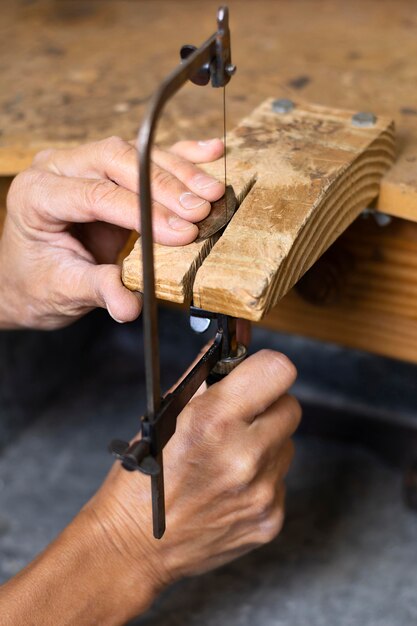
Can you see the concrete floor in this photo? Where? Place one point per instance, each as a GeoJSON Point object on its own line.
{"type": "Point", "coordinates": [348, 553]}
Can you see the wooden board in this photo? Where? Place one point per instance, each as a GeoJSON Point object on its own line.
{"type": "Point", "coordinates": [78, 70]}
{"type": "Point", "coordinates": [314, 171]}
{"type": "Point", "coordinates": [362, 293]}
{"type": "Point", "coordinates": [176, 267]}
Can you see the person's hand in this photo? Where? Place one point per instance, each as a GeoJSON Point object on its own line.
{"type": "Point", "coordinates": [224, 472]}
{"type": "Point", "coordinates": [70, 215]}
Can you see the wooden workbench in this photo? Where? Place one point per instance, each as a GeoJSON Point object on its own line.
{"type": "Point", "coordinates": [74, 71]}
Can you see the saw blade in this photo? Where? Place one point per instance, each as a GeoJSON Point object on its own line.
{"type": "Point", "coordinates": [222, 210]}
{"type": "Point", "coordinates": [225, 153]}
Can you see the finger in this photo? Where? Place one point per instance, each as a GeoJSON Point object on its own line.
{"type": "Point", "coordinates": [167, 189]}
{"type": "Point", "coordinates": [277, 424]}
{"type": "Point", "coordinates": [92, 286]}
{"type": "Point", "coordinates": [116, 160]}
{"type": "Point", "coordinates": [265, 527]}
{"type": "Point", "coordinates": [111, 158]}
{"type": "Point", "coordinates": [199, 151]}
{"type": "Point", "coordinates": [272, 525]}
{"type": "Point", "coordinates": [170, 229]}
{"type": "Point", "coordinates": [250, 388]}
{"type": "Point", "coordinates": [261, 493]}
{"type": "Point", "coordinates": [288, 453]}
{"type": "Point", "coordinates": [122, 304]}
{"type": "Point", "coordinates": [195, 179]}
{"type": "Point", "coordinates": [57, 200]}
{"type": "Point", "coordinates": [280, 463]}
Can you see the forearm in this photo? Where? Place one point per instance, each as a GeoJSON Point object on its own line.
{"type": "Point", "coordinates": [77, 581]}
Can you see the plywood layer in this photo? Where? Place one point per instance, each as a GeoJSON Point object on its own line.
{"type": "Point", "coordinates": [362, 293]}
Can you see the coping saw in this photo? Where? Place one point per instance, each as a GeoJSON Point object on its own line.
{"type": "Point", "coordinates": [209, 63]}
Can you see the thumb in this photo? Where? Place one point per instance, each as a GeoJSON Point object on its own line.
{"type": "Point", "coordinates": [110, 293]}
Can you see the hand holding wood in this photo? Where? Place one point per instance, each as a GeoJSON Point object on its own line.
{"type": "Point", "coordinates": [70, 214]}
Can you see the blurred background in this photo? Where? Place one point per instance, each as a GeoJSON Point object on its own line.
{"type": "Point", "coordinates": [75, 71]}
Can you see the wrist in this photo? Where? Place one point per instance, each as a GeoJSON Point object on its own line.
{"type": "Point", "coordinates": [119, 577]}
{"type": "Point", "coordinates": [79, 579]}
{"type": "Point", "coordinates": [121, 509]}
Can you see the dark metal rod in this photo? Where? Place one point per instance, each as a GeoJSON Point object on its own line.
{"type": "Point", "coordinates": [158, 500]}
{"type": "Point", "coordinates": [144, 142]}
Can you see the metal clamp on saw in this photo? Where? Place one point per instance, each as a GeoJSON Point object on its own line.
{"type": "Point", "coordinates": [209, 63]}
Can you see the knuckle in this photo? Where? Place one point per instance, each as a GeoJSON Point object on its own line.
{"type": "Point", "coordinates": [243, 469]}
{"type": "Point", "coordinates": [114, 148]}
{"type": "Point", "coordinates": [23, 180]}
{"type": "Point", "coordinates": [272, 526]}
{"type": "Point", "coordinates": [295, 410]}
{"type": "Point", "coordinates": [291, 409]}
{"type": "Point", "coordinates": [97, 192]}
{"type": "Point", "coordinates": [162, 179]}
{"type": "Point", "coordinates": [43, 156]}
{"type": "Point", "coordinates": [189, 171]}
{"type": "Point", "coordinates": [24, 186]}
{"type": "Point", "coordinates": [185, 169]}
{"type": "Point", "coordinates": [263, 500]}
{"type": "Point", "coordinates": [113, 144]}
{"type": "Point", "coordinates": [233, 401]}
{"type": "Point", "coordinates": [16, 189]}
{"type": "Point", "coordinates": [205, 425]}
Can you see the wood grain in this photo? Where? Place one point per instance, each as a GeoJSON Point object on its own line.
{"type": "Point", "coordinates": [78, 70]}
{"type": "Point", "coordinates": [176, 267]}
{"type": "Point", "coordinates": [314, 173]}
{"type": "Point", "coordinates": [368, 286]}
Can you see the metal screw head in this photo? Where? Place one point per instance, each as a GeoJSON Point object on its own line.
{"type": "Point", "coordinates": [364, 119]}
{"type": "Point", "coordinates": [283, 105]}
{"type": "Point", "coordinates": [382, 219]}
{"type": "Point", "coordinates": [199, 324]}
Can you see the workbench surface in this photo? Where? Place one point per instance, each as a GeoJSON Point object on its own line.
{"type": "Point", "coordinates": [74, 71]}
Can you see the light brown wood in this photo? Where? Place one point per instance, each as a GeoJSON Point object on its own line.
{"type": "Point", "coordinates": [78, 70]}
{"type": "Point", "coordinates": [176, 267]}
{"type": "Point", "coordinates": [368, 286]}
{"type": "Point", "coordinates": [314, 173]}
